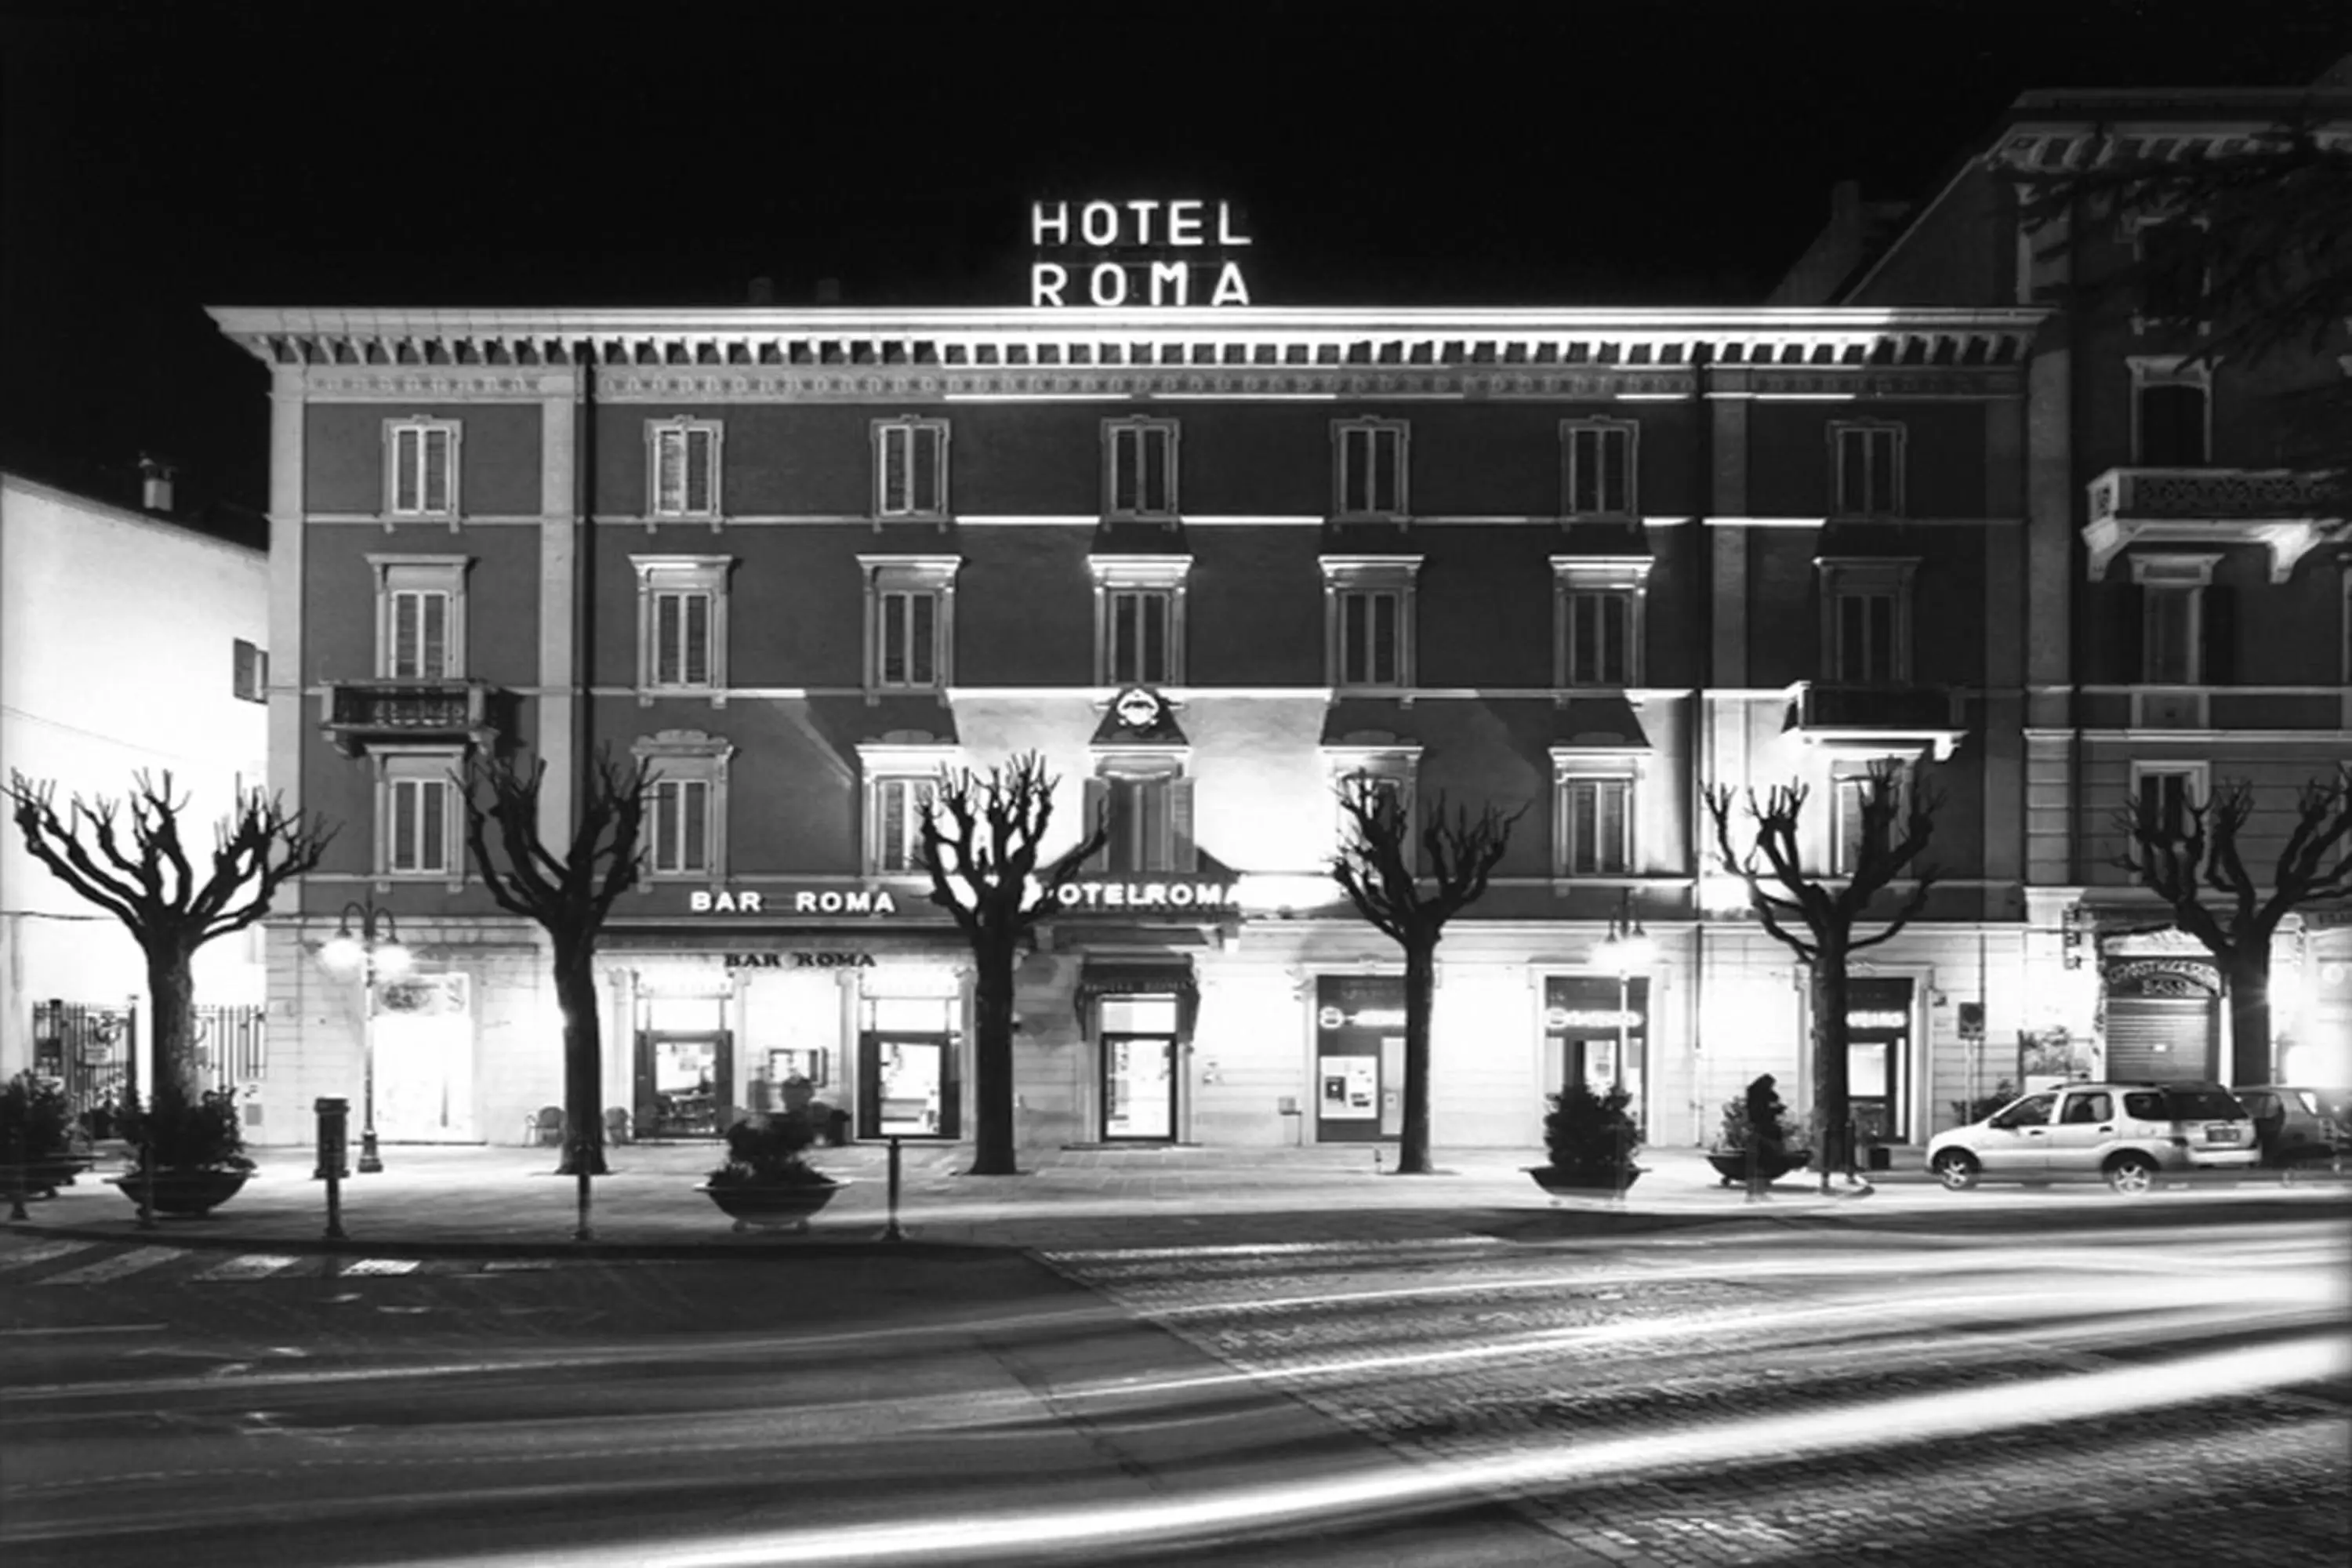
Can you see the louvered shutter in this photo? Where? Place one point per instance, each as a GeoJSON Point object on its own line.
{"type": "Point", "coordinates": [2129, 632]}
{"type": "Point", "coordinates": [2219, 613]}
{"type": "Point", "coordinates": [1098, 810]}
{"type": "Point", "coordinates": [1182, 853]}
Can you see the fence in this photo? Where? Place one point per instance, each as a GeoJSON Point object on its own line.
{"type": "Point", "coordinates": [93, 1048]}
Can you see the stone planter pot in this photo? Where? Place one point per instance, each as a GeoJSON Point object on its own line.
{"type": "Point", "coordinates": [1732, 1165]}
{"type": "Point", "coordinates": [193, 1194]}
{"type": "Point", "coordinates": [1560, 1182]}
{"type": "Point", "coordinates": [43, 1175]}
{"type": "Point", "coordinates": [772, 1208]}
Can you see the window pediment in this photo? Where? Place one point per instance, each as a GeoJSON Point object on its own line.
{"type": "Point", "coordinates": [1370, 571]}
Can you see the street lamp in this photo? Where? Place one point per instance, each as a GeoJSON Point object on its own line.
{"type": "Point", "coordinates": [374, 952]}
{"type": "Point", "coordinates": [1626, 949]}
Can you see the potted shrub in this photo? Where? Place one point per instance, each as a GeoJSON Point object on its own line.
{"type": "Point", "coordinates": [38, 1136]}
{"type": "Point", "coordinates": [186, 1157]}
{"type": "Point", "coordinates": [1589, 1142]}
{"type": "Point", "coordinates": [1756, 1137]}
{"type": "Point", "coordinates": [767, 1179]}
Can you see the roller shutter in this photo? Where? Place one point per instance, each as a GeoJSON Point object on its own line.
{"type": "Point", "coordinates": [2164, 1039]}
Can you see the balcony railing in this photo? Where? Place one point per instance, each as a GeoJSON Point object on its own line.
{"type": "Point", "coordinates": [2285, 509]}
{"type": "Point", "coordinates": [364, 713]}
{"type": "Point", "coordinates": [1827, 710]}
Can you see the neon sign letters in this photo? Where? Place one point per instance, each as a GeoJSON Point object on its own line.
{"type": "Point", "coordinates": [1137, 248]}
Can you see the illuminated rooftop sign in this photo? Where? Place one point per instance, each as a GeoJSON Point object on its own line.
{"type": "Point", "coordinates": [1135, 253]}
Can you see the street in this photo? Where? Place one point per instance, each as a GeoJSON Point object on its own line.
{"type": "Point", "coordinates": [2077, 1382]}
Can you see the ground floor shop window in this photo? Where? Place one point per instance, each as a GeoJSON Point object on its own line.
{"type": "Point", "coordinates": [911, 1077]}
{"type": "Point", "coordinates": [1878, 1051]}
{"type": "Point", "coordinates": [1138, 1066]}
{"type": "Point", "coordinates": [684, 1068]}
{"type": "Point", "coordinates": [1597, 1029]}
{"type": "Point", "coordinates": [1359, 1087]}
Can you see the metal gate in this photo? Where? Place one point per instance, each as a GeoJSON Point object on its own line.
{"type": "Point", "coordinates": [2161, 1040]}
{"type": "Point", "coordinates": [232, 1044]}
{"type": "Point", "coordinates": [89, 1047]}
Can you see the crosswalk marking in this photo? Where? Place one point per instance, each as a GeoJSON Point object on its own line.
{"type": "Point", "coordinates": [41, 1252]}
{"type": "Point", "coordinates": [114, 1267]}
{"type": "Point", "coordinates": [380, 1266]}
{"type": "Point", "coordinates": [249, 1266]}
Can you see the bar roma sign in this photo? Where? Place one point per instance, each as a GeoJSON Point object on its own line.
{"type": "Point", "coordinates": [1153, 253]}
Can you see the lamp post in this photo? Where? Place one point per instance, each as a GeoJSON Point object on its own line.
{"type": "Point", "coordinates": [372, 952]}
{"type": "Point", "coordinates": [1625, 949]}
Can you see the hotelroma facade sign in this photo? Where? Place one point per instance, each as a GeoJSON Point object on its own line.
{"type": "Point", "coordinates": [1135, 253]}
{"type": "Point", "coordinates": [1140, 895]}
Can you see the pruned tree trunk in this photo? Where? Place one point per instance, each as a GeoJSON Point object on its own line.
{"type": "Point", "coordinates": [171, 1028]}
{"type": "Point", "coordinates": [1420, 995]}
{"type": "Point", "coordinates": [583, 1058]}
{"type": "Point", "coordinates": [994, 1143]}
{"type": "Point", "coordinates": [1833, 1100]}
{"type": "Point", "coordinates": [2247, 973]}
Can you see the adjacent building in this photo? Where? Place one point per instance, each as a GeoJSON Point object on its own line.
{"type": "Point", "coordinates": [1213, 564]}
{"type": "Point", "coordinates": [2188, 594]}
{"type": "Point", "coordinates": [129, 643]}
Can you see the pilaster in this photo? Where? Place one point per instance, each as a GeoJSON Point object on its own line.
{"type": "Point", "coordinates": [559, 544]}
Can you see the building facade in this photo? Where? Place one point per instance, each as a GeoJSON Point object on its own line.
{"type": "Point", "coordinates": [1211, 563]}
{"type": "Point", "coordinates": [128, 644]}
{"type": "Point", "coordinates": [2192, 620]}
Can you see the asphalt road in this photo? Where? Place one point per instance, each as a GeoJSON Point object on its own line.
{"type": "Point", "coordinates": [2085, 1384]}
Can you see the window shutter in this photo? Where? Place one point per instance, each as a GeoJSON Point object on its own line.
{"type": "Point", "coordinates": [2220, 614]}
{"type": "Point", "coordinates": [695, 854]}
{"type": "Point", "coordinates": [1184, 855]}
{"type": "Point", "coordinates": [2128, 635]}
{"type": "Point", "coordinates": [890, 830]}
{"type": "Point", "coordinates": [436, 470]}
{"type": "Point", "coordinates": [698, 639]}
{"type": "Point", "coordinates": [1098, 809]}
{"type": "Point", "coordinates": [923, 663]}
{"type": "Point", "coordinates": [701, 469]}
{"type": "Point", "coordinates": [930, 489]}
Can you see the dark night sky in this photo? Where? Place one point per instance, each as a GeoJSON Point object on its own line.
{"type": "Point", "coordinates": [160, 157]}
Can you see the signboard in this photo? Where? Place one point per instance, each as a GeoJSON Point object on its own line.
{"type": "Point", "coordinates": [815, 960]}
{"type": "Point", "coordinates": [1155, 893]}
{"type": "Point", "coordinates": [866, 900]}
{"type": "Point", "coordinates": [1157, 253]}
{"type": "Point", "coordinates": [423, 995]}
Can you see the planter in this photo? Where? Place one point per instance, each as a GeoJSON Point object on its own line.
{"type": "Point", "coordinates": [193, 1192]}
{"type": "Point", "coordinates": [1732, 1165]}
{"type": "Point", "coordinates": [775, 1207]}
{"type": "Point", "coordinates": [43, 1175]}
{"type": "Point", "coordinates": [1554, 1181]}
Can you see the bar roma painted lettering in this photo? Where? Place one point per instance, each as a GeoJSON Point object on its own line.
{"type": "Point", "coordinates": [831, 902]}
{"type": "Point", "coordinates": [1114, 233]}
{"type": "Point", "coordinates": [800, 960]}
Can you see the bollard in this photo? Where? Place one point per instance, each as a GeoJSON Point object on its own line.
{"type": "Point", "coordinates": [890, 1232]}
{"type": "Point", "coordinates": [335, 1155]}
{"type": "Point", "coordinates": [16, 1189]}
{"type": "Point", "coordinates": [582, 1159]}
{"type": "Point", "coordinates": [147, 1174]}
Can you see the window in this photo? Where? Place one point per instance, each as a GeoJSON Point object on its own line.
{"type": "Point", "coordinates": [420, 616]}
{"type": "Point", "coordinates": [2171, 413]}
{"type": "Point", "coordinates": [248, 672]}
{"type": "Point", "coordinates": [1866, 620]}
{"type": "Point", "coordinates": [1140, 467]}
{"type": "Point", "coordinates": [1148, 807]}
{"type": "Point", "coordinates": [421, 467]}
{"type": "Point", "coordinates": [1866, 478]}
{"type": "Point", "coordinates": [2088, 1105]}
{"type": "Point", "coordinates": [909, 615]}
{"type": "Point", "coordinates": [2167, 792]}
{"type": "Point", "coordinates": [1139, 619]}
{"type": "Point", "coordinates": [1371, 477]}
{"type": "Point", "coordinates": [1597, 609]}
{"type": "Point", "coordinates": [1597, 820]}
{"type": "Point", "coordinates": [1369, 609]}
{"type": "Point", "coordinates": [1853, 833]}
{"type": "Point", "coordinates": [1388, 772]}
{"type": "Point", "coordinates": [897, 806]}
{"type": "Point", "coordinates": [2174, 281]}
{"type": "Point", "coordinates": [2033, 1110]}
{"type": "Point", "coordinates": [1597, 460]}
{"type": "Point", "coordinates": [685, 817]}
{"type": "Point", "coordinates": [682, 457]}
{"type": "Point", "coordinates": [2172, 627]}
{"type": "Point", "coordinates": [682, 623]}
{"type": "Point", "coordinates": [910, 467]}
{"type": "Point", "coordinates": [417, 830]}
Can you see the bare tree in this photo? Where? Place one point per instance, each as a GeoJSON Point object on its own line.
{"type": "Point", "coordinates": [2180, 855]}
{"type": "Point", "coordinates": [569, 896]}
{"type": "Point", "coordinates": [153, 888]}
{"type": "Point", "coordinates": [980, 837]}
{"type": "Point", "coordinates": [1827, 911]}
{"type": "Point", "coordinates": [1375, 867]}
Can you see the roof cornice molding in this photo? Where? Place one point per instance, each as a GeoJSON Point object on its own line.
{"type": "Point", "coordinates": [1085, 342]}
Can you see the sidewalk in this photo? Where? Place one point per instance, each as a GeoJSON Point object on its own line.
{"type": "Point", "coordinates": [507, 1202]}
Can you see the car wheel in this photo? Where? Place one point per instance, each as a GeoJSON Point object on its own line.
{"type": "Point", "coordinates": [1957, 1169]}
{"type": "Point", "coordinates": [2133, 1174]}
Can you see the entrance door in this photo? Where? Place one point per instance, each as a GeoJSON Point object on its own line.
{"type": "Point", "coordinates": [1358, 1086]}
{"type": "Point", "coordinates": [908, 1085]}
{"type": "Point", "coordinates": [1139, 1087]}
{"type": "Point", "coordinates": [683, 1083]}
{"type": "Point", "coordinates": [423, 1078]}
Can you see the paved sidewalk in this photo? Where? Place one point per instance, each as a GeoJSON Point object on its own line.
{"type": "Point", "coordinates": [434, 1200]}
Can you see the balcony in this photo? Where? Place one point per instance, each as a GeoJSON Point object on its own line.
{"type": "Point", "coordinates": [1896, 718]}
{"type": "Point", "coordinates": [2286, 512]}
{"type": "Point", "coordinates": [362, 715]}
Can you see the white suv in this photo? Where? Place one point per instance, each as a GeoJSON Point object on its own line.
{"type": "Point", "coordinates": [2129, 1133]}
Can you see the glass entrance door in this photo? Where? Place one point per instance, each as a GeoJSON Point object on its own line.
{"type": "Point", "coordinates": [909, 1085]}
{"type": "Point", "coordinates": [684, 1083]}
{"type": "Point", "coordinates": [1139, 1087]}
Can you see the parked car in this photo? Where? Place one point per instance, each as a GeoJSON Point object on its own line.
{"type": "Point", "coordinates": [2296, 1125]}
{"type": "Point", "coordinates": [2129, 1134]}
